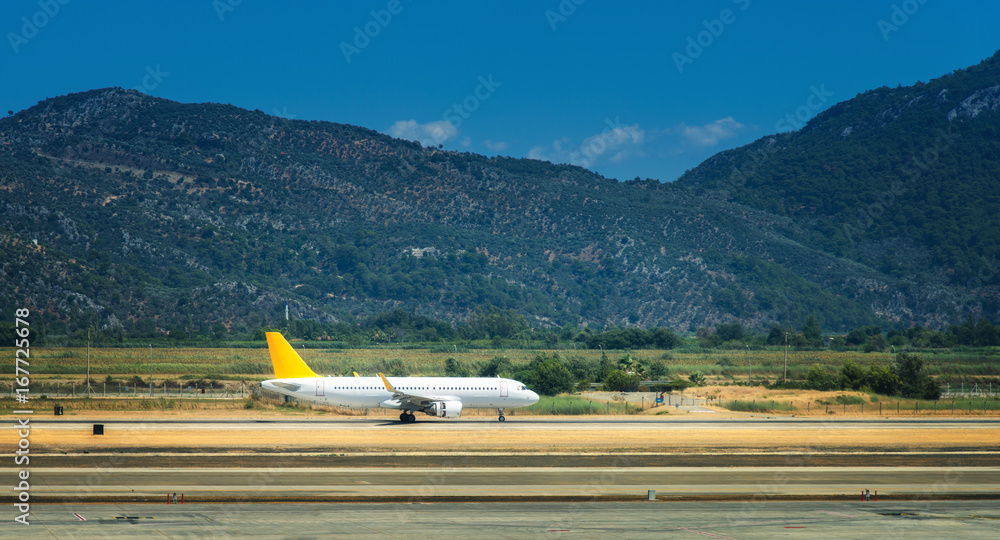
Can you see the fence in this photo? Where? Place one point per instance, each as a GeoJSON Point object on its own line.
{"type": "Point", "coordinates": [943, 407]}
{"type": "Point", "coordinates": [123, 390]}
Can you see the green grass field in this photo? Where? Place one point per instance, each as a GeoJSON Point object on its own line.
{"type": "Point", "coordinates": [253, 364]}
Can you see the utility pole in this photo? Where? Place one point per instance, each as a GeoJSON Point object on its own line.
{"type": "Point", "coordinates": [749, 370]}
{"type": "Point", "coordinates": [784, 375]}
{"type": "Point", "coordinates": [88, 362]}
{"type": "Point", "coordinates": [150, 370]}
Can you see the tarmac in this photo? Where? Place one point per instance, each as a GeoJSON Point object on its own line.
{"type": "Point", "coordinates": [757, 519]}
{"type": "Point", "coordinates": [425, 483]}
{"type": "Point", "coordinates": [88, 491]}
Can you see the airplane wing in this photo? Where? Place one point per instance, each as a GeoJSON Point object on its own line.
{"type": "Point", "coordinates": [415, 401]}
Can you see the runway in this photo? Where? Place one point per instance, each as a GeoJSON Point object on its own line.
{"type": "Point", "coordinates": [522, 423]}
{"type": "Point", "coordinates": [519, 434]}
{"type": "Point", "coordinates": [420, 483]}
{"type": "Point", "coordinates": [683, 520]}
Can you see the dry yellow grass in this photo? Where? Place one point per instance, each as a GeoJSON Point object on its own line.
{"type": "Point", "coordinates": [494, 438]}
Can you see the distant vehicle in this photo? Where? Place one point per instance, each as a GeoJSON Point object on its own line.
{"type": "Point", "coordinates": [444, 397]}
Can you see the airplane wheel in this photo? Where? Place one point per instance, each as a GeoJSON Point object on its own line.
{"type": "Point", "coordinates": [502, 418]}
{"type": "Point", "coordinates": [411, 418]}
{"type": "Point", "coordinates": [403, 417]}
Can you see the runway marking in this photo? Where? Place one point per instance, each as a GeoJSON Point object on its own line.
{"type": "Point", "coordinates": [706, 534]}
{"type": "Point", "coordinates": [81, 518]}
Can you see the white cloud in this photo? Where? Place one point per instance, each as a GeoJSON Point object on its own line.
{"type": "Point", "coordinates": [616, 143]}
{"type": "Point", "coordinates": [711, 133]}
{"type": "Point", "coordinates": [496, 146]}
{"type": "Point", "coordinates": [429, 134]}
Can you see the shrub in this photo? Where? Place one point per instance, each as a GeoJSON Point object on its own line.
{"type": "Point", "coordinates": [820, 379]}
{"type": "Point", "coordinates": [619, 381]}
{"type": "Point", "coordinates": [455, 368]}
{"type": "Point", "coordinates": [551, 377]}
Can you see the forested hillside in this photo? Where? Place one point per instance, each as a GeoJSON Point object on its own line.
{"type": "Point", "coordinates": [125, 211]}
{"type": "Point", "coordinates": [904, 180]}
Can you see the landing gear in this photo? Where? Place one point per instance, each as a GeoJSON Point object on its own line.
{"type": "Point", "coordinates": [502, 418]}
{"type": "Point", "coordinates": [406, 417]}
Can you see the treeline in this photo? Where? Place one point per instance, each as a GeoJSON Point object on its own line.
{"type": "Point", "coordinates": [551, 374]}
{"type": "Point", "coordinates": [507, 328]}
{"type": "Point", "coordinates": [904, 377]}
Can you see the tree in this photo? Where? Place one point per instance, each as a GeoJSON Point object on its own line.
{"type": "Point", "coordinates": [454, 368]}
{"type": "Point", "coordinates": [852, 376]}
{"type": "Point", "coordinates": [730, 332]}
{"type": "Point", "coordinates": [875, 343]}
{"type": "Point", "coordinates": [658, 370]}
{"type": "Point", "coordinates": [664, 338]}
{"type": "Point", "coordinates": [496, 323]}
{"type": "Point", "coordinates": [930, 389]}
{"type": "Point", "coordinates": [582, 368]}
{"type": "Point", "coordinates": [626, 363]}
{"type": "Point", "coordinates": [496, 367]}
{"type": "Point", "coordinates": [619, 381]}
{"type": "Point", "coordinates": [697, 378]}
{"type": "Point", "coordinates": [883, 380]}
{"type": "Point", "coordinates": [859, 336]}
{"type": "Point", "coordinates": [812, 331]}
{"type": "Point", "coordinates": [776, 336]}
{"type": "Point", "coordinates": [219, 331]}
{"type": "Point", "coordinates": [909, 369]}
{"type": "Point", "coordinates": [604, 368]}
{"type": "Point", "coordinates": [819, 379]}
{"type": "Point", "coordinates": [552, 377]}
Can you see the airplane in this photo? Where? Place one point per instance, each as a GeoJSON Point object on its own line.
{"type": "Point", "coordinates": [443, 397]}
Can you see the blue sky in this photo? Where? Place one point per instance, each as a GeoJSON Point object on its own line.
{"type": "Point", "coordinates": [628, 89]}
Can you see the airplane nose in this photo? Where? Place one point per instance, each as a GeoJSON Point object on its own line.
{"type": "Point", "coordinates": [533, 397]}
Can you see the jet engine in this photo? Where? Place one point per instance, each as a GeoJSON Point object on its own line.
{"type": "Point", "coordinates": [445, 409]}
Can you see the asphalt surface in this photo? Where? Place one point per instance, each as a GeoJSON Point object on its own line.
{"type": "Point", "coordinates": [618, 478]}
{"type": "Point", "coordinates": [514, 422]}
{"type": "Point", "coordinates": [757, 519]}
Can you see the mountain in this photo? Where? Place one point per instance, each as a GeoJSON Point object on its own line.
{"type": "Point", "coordinates": [905, 181]}
{"type": "Point", "coordinates": [131, 212]}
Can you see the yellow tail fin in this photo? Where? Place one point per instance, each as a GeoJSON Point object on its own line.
{"type": "Point", "coordinates": [287, 363]}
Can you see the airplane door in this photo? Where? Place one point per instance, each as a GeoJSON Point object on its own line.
{"type": "Point", "coordinates": [319, 388]}
{"type": "Point", "coordinates": [503, 388]}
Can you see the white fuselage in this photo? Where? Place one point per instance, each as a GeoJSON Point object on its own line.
{"type": "Point", "coordinates": [370, 392]}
